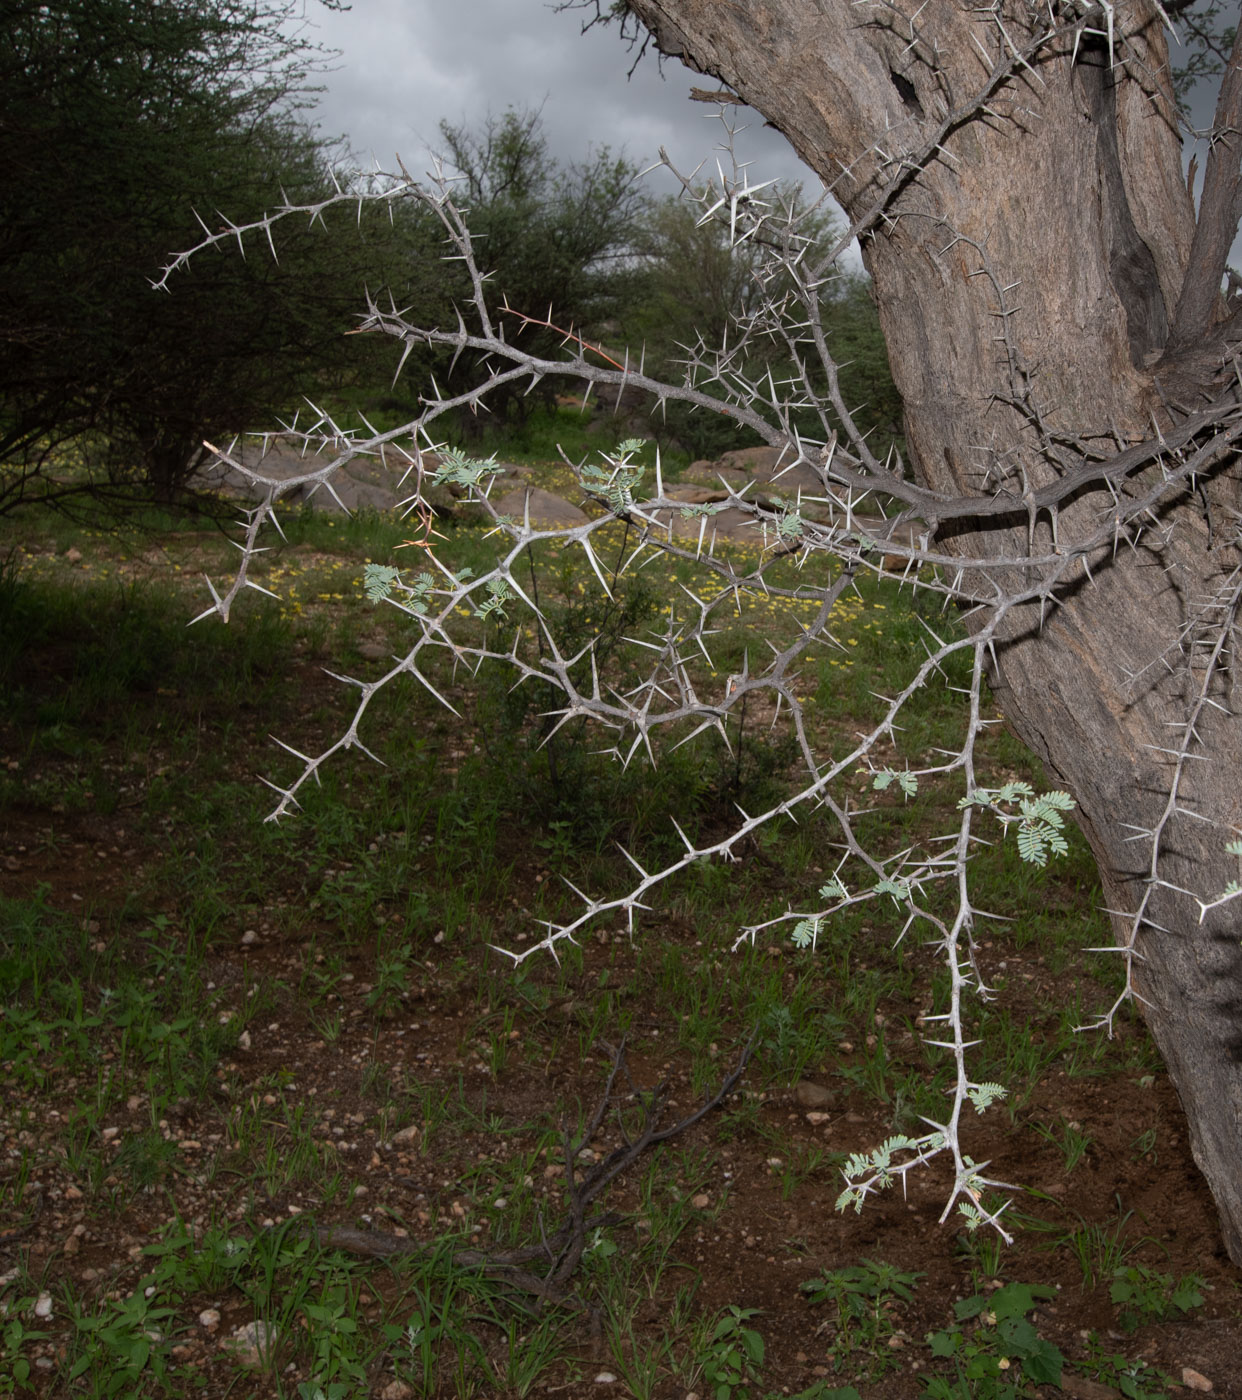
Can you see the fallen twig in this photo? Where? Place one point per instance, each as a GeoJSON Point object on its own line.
{"type": "Point", "coordinates": [561, 1250]}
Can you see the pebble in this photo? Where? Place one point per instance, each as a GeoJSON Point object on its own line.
{"type": "Point", "coordinates": [404, 1136]}
{"type": "Point", "coordinates": [810, 1095]}
{"type": "Point", "coordinates": [1195, 1380]}
{"type": "Point", "coordinates": [209, 1318]}
{"type": "Point", "coordinates": [701, 1201]}
{"type": "Point", "coordinates": [43, 1305]}
{"type": "Point", "coordinates": [605, 1378]}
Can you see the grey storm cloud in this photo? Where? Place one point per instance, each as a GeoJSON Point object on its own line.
{"type": "Point", "coordinates": [406, 65]}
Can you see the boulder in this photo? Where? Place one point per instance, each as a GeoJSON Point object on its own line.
{"type": "Point", "coordinates": [769, 464]}
{"type": "Point", "coordinates": [547, 511]}
{"type": "Point", "coordinates": [709, 474]}
{"type": "Point", "coordinates": [695, 495]}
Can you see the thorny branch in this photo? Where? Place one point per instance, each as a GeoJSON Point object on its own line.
{"type": "Point", "coordinates": [861, 515]}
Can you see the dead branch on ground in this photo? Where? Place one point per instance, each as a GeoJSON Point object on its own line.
{"type": "Point", "coordinates": [560, 1252]}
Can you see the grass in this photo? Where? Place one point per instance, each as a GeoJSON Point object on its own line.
{"type": "Point", "coordinates": [179, 1015]}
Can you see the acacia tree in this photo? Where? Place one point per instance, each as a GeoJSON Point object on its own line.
{"type": "Point", "coordinates": [1052, 305]}
{"type": "Point", "coordinates": [1053, 310]}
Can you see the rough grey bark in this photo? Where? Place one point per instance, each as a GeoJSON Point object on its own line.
{"type": "Point", "coordinates": [1019, 194]}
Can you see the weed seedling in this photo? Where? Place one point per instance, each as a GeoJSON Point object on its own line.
{"type": "Point", "coordinates": [865, 1296]}
{"type": "Point", "coordinates": [1072, 1141]}
{"type": "Point", "coordinates": [392, 973]}
{"type": "Point", "coordinates": [1143, 1295]}
{"type": "Point", "coordinates": [1136, 1380]}
{"type": "Point", "coordinates": [733, 1358]}
{"type": "Point", "coordinates": [1004, 1356]}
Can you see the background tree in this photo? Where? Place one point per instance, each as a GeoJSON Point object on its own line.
{"type": "Point", "coordinates": [694, 285]}
{"type": "Point", "coordinates": [118, 121]}
{"type": "Point", "coordinates": [549, 235]}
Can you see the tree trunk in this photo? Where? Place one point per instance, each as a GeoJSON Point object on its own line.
{"type": "Point", "coordinates": [1028, 266]}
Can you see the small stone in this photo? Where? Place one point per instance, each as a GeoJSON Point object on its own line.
{"type": "Point", "coordinates": [209, 1318]}
{"type": "Point", "coordinates": [72, 1245]}
{"type": "Point", "coordinates": [396, 1390]}
{"type": "Point", "coordinates": [1195, 1380]}
{"type": "Point", "coordinates": [701, 1201]}
{"type": "Point", "coordinates": [605, 1378]}
{"type": "Point", "coordinates": [73, 555]}
{"type": "Point", "coordinates": [249, 937]}
{"type": "Point", "coordinates": [404, 1136]}
{"type": "Point", "coordinates": [109, 1134]}
{"type": "Point", "coordinates": [252, 1344]}
{"type": "Point", "coordinates": [810, 1095]}
{"type": "Point", "coordinates": [43, 1305]}
{"type": "Point", "coordinates": [815, 1119]}
{"type": "Point", "coordinates": [243, 1041]}
{"type": "Point", "coordinates": [72, 1193]}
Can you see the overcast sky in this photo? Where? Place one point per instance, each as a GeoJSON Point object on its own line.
{"type": "Point", "coordinates": [405, 65]}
